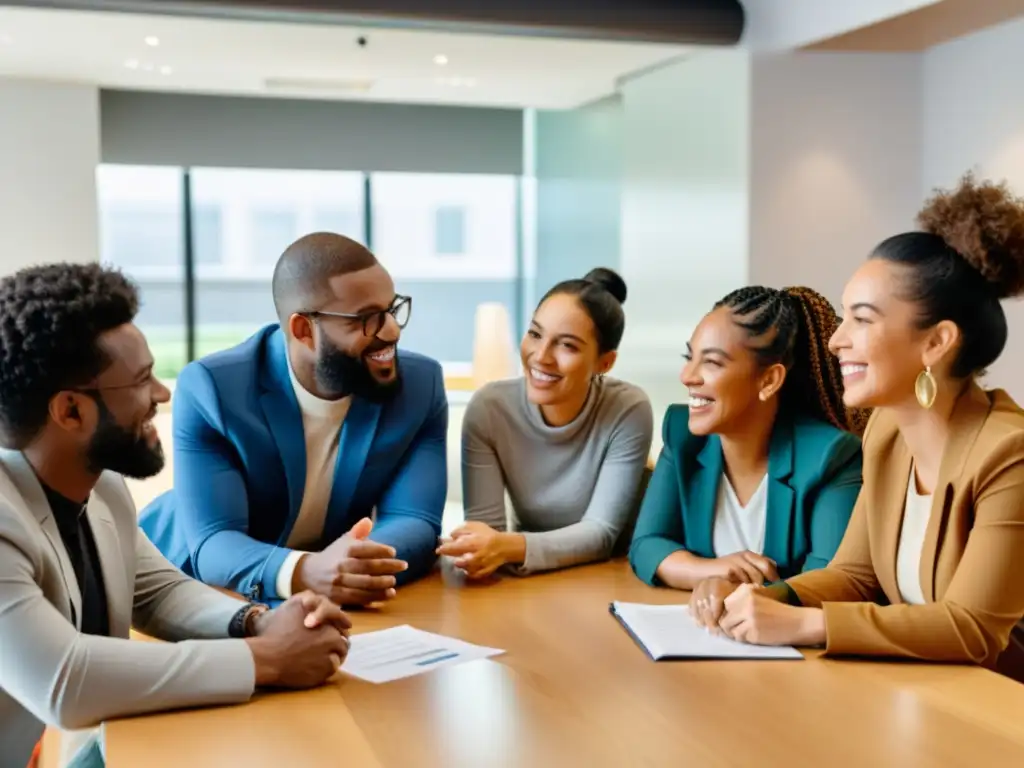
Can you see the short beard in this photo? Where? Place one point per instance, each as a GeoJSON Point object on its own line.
{"type": "Point", "coordinates": [116, 449]}
{"type": "Point", "coordinates": [340, 375]}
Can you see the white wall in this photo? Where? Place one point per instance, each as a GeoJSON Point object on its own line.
{"type": "Point", "coordinates": [974, 118]}
{"type": "Point", "coordinates": [846, 147]}
{"type": "Point", "coordinates": [835, 163]}
{"type": "Point", "coordinates": [49, 150]}
{"type": "Point", "coordinates": [684, 208]}
{"type": "Point", "coordinates": [578, 169]}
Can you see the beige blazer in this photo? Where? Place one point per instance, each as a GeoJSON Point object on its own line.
{"type": "Point", "coordinates": [50, 674]}
{"type": "Point", "coordinates": [972, 563]}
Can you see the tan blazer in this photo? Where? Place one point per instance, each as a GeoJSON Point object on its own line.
{"type": "Point", "coordinates": [972, 563]}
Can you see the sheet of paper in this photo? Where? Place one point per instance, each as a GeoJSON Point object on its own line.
{"type": "Point", "coordinates": [391, 654]}
{"type": "Point", "coordinates": [668, 631]}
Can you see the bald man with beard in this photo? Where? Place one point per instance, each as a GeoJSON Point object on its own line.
{"type": "Point", "coordinates": [312, 456]}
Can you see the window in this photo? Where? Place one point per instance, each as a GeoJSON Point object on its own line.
{"type": "Point", "coordinates": [251, 216]}
{"type": "Point", "coordinates": [344, 221]}
{"type": "Point", "coordinates": [207, 234]}
{"type": "Point", "coordinates": [141, 235]}
{"type": "Point", "coordinates": [270, 232]}
{"type": "Point", "coordinates": [141, 231]}
{"type": "Point", "coordinates": [450, 231]}
{"type": "Point", "coordinates": [450, 241]}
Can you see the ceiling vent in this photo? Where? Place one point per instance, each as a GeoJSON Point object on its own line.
{"type": "Point", "coordinates": [323, 87]}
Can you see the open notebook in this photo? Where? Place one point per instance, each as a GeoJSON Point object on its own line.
{"type": "Point", "coordinates": [667, 632]}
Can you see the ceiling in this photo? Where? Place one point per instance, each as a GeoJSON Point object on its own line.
{"type": "Point", "coordinates": [925, 27]}
{"type": "Point", "coordinates": [164, 53]}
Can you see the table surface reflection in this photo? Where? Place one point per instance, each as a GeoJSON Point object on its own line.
{"type": "Point", "coordinates": [573, 689]}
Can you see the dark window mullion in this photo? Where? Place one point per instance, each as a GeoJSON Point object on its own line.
{"type": "Point", "coordinates": [367, 211]}
{"type": "Point", "coordinates": [188, 242]}
{"type": "Point", "coordinates": [519, 304]}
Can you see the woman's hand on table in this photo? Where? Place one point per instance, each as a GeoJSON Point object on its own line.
{"type": "Point", "coordinates": [707, 602]}
{"type": "Point", "coordinates": [753, 617]}
{"type": "Point", "coordinates": [746, 568]}
{"type": "Point", "coordinates": [479, 550]}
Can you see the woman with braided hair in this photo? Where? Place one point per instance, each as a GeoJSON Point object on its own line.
{"type": "Point", "coordinates": [759, 473]}
{"type": "Point", "coordinates": [932, 564]}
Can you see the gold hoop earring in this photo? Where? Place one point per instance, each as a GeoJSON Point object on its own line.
{"type": "Point", "coordinates": [926, 388]}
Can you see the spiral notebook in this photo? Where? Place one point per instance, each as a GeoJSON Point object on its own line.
{"type": "Point", "coordinates": [667, 633]}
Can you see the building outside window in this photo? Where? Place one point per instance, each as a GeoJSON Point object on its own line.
{"type": "Point", "coordinates": [448, 240]}
{"type": "Point", "coordinates": [450, 231]}
{"type": "Point", "coordinates": [451, 242]}
{"type": "Point", "coordinates": [141, 231]}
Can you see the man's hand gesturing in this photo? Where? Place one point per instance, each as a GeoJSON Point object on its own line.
{"type": "Point", "coordinates": [351, 571]}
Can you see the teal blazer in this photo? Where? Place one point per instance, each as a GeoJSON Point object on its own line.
{"type": "Point", "coordinates": [814, 476]}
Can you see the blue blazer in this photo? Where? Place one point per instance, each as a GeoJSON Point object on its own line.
{"type": "Point", "coordinates": [240, 468]}
{"type": "Point", "coordinates": [814, 476]}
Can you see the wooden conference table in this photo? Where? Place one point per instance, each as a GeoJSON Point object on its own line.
{"type": "Point", "coordinates": [573, 689]}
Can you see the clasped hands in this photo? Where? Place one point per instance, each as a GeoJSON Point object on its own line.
{"type": "Point", "coordinates": [304, 641]}
{"type": "Point", "coordinates": [736, 605]}
{"type": "Point", "coordinates": [479, 550]}
{"type": "Point", "coordinates": [301, 643]}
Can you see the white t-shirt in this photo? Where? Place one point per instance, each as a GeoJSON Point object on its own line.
{"type": "Point", "coordinates": [916, 511]}
{"type": "Point", "coordinates": [321, 425]}
{"type": "Point", "coordinates": [739, 528]}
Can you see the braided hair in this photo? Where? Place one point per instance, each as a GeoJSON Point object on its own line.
{"type": "Point", "coordinates": [793, 326]}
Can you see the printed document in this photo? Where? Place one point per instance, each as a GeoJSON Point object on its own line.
{"type": "Point", "coordinates": [391, 654]}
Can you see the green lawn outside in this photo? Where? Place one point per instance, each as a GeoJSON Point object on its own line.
{"type": "Point", "coordinates": [168, 344]}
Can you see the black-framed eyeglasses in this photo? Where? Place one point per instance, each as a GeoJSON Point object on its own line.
{"type": "Point", "coordinates": [95, 389]}
{"type": "Point", "coordinates": [373, 322]}
{"type": "Point", "coordinates": [109, 387]}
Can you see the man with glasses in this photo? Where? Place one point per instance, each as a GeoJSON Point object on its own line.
{"type": "Point", "coordinates": [77, 401]}
{"type": "Point", "coordinates": [312, 455]}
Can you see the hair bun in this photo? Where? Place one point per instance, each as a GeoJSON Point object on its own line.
{"type": "Point", "coordinates": [610, 280]}
{"type": "Point", "coordinates": [984, 223]}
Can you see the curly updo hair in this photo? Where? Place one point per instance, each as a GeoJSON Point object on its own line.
{"type": "Point", "coordinates": [792, 327]}
{"type": "Point", "coordinates": [968, 257]}
{"type": "Point", "coordinates": [50, 319]}
{"type": "Point", "coordinates": [601, 293]}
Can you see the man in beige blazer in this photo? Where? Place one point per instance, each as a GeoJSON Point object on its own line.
{"type": "Point", "coordinates": [77, 398]}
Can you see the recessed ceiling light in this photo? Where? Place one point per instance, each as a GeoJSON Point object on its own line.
{"type": "Point", "coordinates": [440, 59]}
{"type": "Point", "coordinates": [152, 41]}
{"type": "Point", "coordinates": [165, 70]}
{"type": "Point", "coordinates": [132, 63]}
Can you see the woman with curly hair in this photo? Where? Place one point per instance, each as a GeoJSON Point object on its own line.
{"type": "Point", "coordinates": [932, 565]}
{"type": "Point", "coordinates": [759, 473]}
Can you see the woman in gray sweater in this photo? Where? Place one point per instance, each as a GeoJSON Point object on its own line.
{"type": "Point", "coordinates": [569, 445]}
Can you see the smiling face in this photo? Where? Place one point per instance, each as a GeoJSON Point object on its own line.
{"type": "Point", "coordinates": [365, 293]}
{"type": "Point", "coordinates": [725, 379]}
{"type": "Point", "coordinates": [125, 397]}
{"type": "Point", "coordinates": [880, 347]}
{"type": "Point", "coordinates": [560, 353]}
{"type": "Point", "coordinates": [354, 338]}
